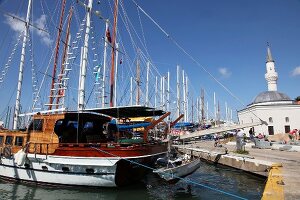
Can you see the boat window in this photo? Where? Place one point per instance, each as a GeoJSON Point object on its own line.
{"type": "Point", "coordinates": [1, 140]}
{"type": "Point", "coordinates": [36, 125]}
{"type": "Point", "coordinates": [19, 141]}
{"type": "Point", "coordinates": [65, 169]}
{"type": "Point", "coordinates": [9, 140]}
{"type": "Point", "coordinates": [58, 128]}
{"type": "Point", "coordinates": [90, 170]}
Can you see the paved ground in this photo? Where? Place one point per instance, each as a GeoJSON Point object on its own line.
{"type": "Point", "coordinates": [289, 160]}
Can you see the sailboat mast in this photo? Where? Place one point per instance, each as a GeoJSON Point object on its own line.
{"type": "Point", "coordinates": [104, 62]}
{"type": "Point", "coordinates": [112, 72]}
{"type": "Point", "coordinates": [202, 106]}
{"type": "Point", "coordinates": [187, 99]}
{"type": "Point", "coordinates": [131, 91]}
{"type": "Point", "coordinates": [178, 91]}
{"type": "Point", "coordinates": [168, 91]}
{"type": "Point", "coordinates": [21, 68]}
{"type": "Point", "coordinates": [156, 90]}
{"type": "Point", "coordinates": [138, 82]}
{"type": "Point", "coordinates": [52, 90]}
{"type": "Point", "coordinates": [184, 95]}
{"type": "Point", "coordinates": [147, 84]}
{"type": "Point", "coordinates": [62, 70]}
{"type": "Point", "coordinates": [81, 92]}
{"type": "Point", "coordinates": [116, 74]}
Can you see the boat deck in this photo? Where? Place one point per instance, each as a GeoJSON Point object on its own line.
{"type": "Point", "coordinates": [281, 167]}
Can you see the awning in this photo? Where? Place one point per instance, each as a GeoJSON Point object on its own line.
{"type": "Point", "coordinates": [127, 111]}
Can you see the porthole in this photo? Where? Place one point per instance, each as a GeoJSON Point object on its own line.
{"type": "Point", "coordinates": [65, 169]}
{"type": "Point", "coordinates": [89, 170]}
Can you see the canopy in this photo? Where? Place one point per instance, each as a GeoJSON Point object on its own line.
{"type": "Point", "coordinates": [128, 111]}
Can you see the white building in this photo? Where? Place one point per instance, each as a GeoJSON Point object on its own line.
{"type": "Point", "coordinates": [280, 113]}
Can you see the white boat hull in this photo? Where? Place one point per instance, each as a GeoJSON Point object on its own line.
{"type": "Point", "coordinates": [62, 170]}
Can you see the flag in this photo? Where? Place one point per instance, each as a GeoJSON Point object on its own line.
{"type": "Point", "coordinates": [108, 35]}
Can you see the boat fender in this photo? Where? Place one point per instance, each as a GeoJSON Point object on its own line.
{"type": "Point", "coordinates": [20, 157]}
{"type": "Point", "coordinates": [7, 152]}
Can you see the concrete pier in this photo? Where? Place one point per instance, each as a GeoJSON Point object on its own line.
{"type": "Point", "coordinates": [281, 167]}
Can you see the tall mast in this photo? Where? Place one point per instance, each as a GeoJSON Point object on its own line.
{"type": "Point", "coordinates": [161, 92]}
{"type": "Point", "coordinates": [178, 91]}
{"type": "Point", "coordinates": [215, 108]}
{"type": "Point", "coordinates": [138, 82]}
{"type": "Point", "coordinates": [104, 63]}
{"type": "Point", "coordinates": [66, 47]}
{"type": "Point", "coordinates": [147, 84]}
{"type": "Point", "coordinates": [52, 90]}
{"type": "Point", "coordinates": [155, 95]}
{"type": "Point", "coordinates": [184, 95]}
{"type": "Point", "coordinates": [116, 74]}
{"type": "Point", "coordinates": [202, 106]}
{"type": "Point", "coordinates": [21, 67]}
{"type": "Point", "coordinates": [81, 92]}
{"type": "Point", "coordinates": [168, 92]}
{"type": "Point", "coordinates": [112, 72]}
{"type": "Point", "coordinates": [187, 99]}
{"type": "Point", "coordinates": [131, 91]}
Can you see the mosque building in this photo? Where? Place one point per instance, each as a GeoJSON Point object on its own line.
{"type": "Point", "coordinates": [280, 113]}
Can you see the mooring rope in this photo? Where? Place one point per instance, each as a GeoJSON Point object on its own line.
{"type": "Point", "coordinates": [184, 179]}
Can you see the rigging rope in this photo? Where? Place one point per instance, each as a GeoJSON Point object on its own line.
{"type": "Point", "coordinates": [193, 59]}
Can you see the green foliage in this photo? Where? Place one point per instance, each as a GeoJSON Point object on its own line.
{"type": "Point", "coordinates": [297, 98]}
{"type": "Point", "coordinates": [242, 152]}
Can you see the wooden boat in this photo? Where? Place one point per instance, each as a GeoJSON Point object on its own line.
{"type": "Point", "coordinates": [172, 170]}
{"type": "Point", "coordinates": [79, 148]}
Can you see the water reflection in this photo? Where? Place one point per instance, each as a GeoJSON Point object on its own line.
{"type": "Point", "coordinates": [218, 177]}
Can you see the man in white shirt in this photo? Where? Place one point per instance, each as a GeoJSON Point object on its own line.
{"type": "Point", "coordinates": [240, 140]}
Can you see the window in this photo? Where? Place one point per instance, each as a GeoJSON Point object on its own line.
{"type": "Point", "coordinates": [1, 140]}
{"type": "Point", "coordinates": [270, 119]}
{"type": "Point", "coordinates": [9, 140]}
{"type": "Point", "coordinates": [287, 119]}
{"type": "Point", "coordinates": [287, 128]}
{"type": "Point", "coordinates": [271, 130]}
{"type": "Point", "coordinates": [36, 125]}
{"type": "Point", "coordinates": [19, 141]}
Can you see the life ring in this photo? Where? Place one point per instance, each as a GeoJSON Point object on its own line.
{"type": "Point", "coordinates": [7, 152]}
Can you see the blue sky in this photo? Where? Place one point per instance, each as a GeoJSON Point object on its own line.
{"type": "Point", "coordinates": [228, 38]}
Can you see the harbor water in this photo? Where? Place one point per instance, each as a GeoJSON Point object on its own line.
{"type": "Point", "coordinates": [208, 182]}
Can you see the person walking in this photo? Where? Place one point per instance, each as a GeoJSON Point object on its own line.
{"type": "Point", "coordinates": [240, 140]}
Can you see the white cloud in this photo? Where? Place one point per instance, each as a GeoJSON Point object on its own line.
{"type": "Point", "coordinates": [224, 72]}
{"type": "Point", "coordinates": [41, 23]}
{"type": "Point", "coordinates": [18, 26]}
{"type": "Point", "coordinates": [296, 71]}
{"type": "Point", "coordinates": [14, 24]}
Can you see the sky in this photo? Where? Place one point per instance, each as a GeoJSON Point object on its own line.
{"type": "Point", "coordinates": [221, 45]}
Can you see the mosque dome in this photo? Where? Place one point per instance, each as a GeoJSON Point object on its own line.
{"type": "Point", "coordinates": [270, 96]}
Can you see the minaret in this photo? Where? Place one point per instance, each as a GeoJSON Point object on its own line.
{"type": "Point", "coordinates": [271, 75]}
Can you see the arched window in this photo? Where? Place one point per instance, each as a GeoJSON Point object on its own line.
{"type": "Point", "coordinates": [287, 119]}
{"type": "Point", "coordinates": [270, 119]}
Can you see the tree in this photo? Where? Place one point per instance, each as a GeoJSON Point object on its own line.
{"type": "Point", "coordinates": [297, 98]}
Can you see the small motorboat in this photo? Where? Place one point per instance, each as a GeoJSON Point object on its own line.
{"type": "Point", "coordinates": [172, 169]}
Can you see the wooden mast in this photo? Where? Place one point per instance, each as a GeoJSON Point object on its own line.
{"type": "Point", "coordinates": [56, 54]}
{"type": "Point", "coordinates": [61, 91]}
{"type": "Point", "coordinates": [112, 72]}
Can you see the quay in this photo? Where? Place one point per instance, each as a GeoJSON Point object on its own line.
{"type": "Point", "coordinates": [281, 167]}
